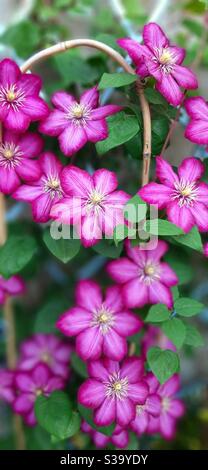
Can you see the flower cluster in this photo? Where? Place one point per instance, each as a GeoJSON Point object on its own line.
{"type": "Point", "coordinates": [43, 367]}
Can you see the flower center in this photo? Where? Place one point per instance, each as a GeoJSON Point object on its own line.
{"type": "Point", "coordinates": [149, 273]}
{"type": "Point", "coordinates": [53, 186]}
{"type": "Point", "coordinates": [103, 318]}
{"type": "Point", "coordinates": [165, 404]}
{"type": "Point", "coordinates": [10, 155]}
{"type": "Point", "coordinates": [164, 58]}
{"type": "Point", "coordinates": [45, 357]}
{"type": "Point", "coordinates": [11, 97]}
{"type": "Point", "coordinates": [79, 114]}
{"type": "Point", "coordinates": [116, 386]}
{"type": "Point", "coordinates": [95, 200]}
{"type": "Point", "coordinates": [185, 193]}
{"type": "Point", "coordinates": [38, 392]}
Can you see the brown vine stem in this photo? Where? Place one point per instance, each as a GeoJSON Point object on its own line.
{"type": "Point", "coordinates": [114, 55]}
{"type": "Point", "coordinates": [8, 313]}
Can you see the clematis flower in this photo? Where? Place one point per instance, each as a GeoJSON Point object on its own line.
{"type": "Point", "coordinates": [48, 349]}
{"type": "Point", "coordinates": [157, 58]}
{"type": "Point", "coordinates": [7, 386]}
{"type": "Point", "coordinates": [113, 390]}
{"type": "Point", "coordinates": [144, 278]}
{"type": "Point", "coordinates": [119, 437]}
{"type": "Point", "coordinates": [171, 409]}
{"type": "Point", "coordinates": [91, 203]}
{"type": "Point", "coordinates": [99, 324]}
{"type": "Point", "coordinates": [30, 385]}
{"type": "Point", "coordinates": [155, 337]}
{"type": "Point", "coordinates": [19, 100]}
{"type": "Point", "coordinates": [183, 196]}
{"type": "Point", "coordinates": [151, 407]}
{"type": "Point", "coordinates": [9, 287]}
{"type": "Point", "coordinates": [76, 123]}
{"type": "Point", "coordinates": [197, 128]}
{"type": "Point", "coordinates": [45, 192]}
{"type": "Point", "coordinates": [17, 162]}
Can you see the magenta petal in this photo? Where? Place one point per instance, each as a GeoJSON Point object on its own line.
{"type": "Point", "coordinates": [167, 275]}
{"type": "Point", "coordinates": [90, 97]}
{"type": "Point", "coordinates": [159, 293]}
{"type": "Point", "coordinates": [91, 393]}
{"type": "Point", "coordinates": [136, 254]}
{"type": "Point", "coordinates": [178, 53]}
{"type": "Point", "coordinates": [100, 440]}
{"type": "Point", "coordinates": [170, 387]}
{"type": "Point", "coordinates": [142, 70]}
{"type": "Point", "coordinates": [133, 368]}
{"type": "Point", "coordinates": [91, 229]}
{"type": "Point", "coordinates": [89, 344]}
{"type": "Point", "coordinates": [96, 130]}
{"type": "Point", "coordinates": [134, 49]}
{"type": "Point", "coordinates": [140, 423]}
{"type": "Point", "coordinates": [106, 413]}
{"type": "Point", "coordinates": [202, 192]}
{"type": "Point", "coordinates": [197, 131]}
{"type": "Point", "coordinates": [30, 144]}
{"type": "Point", "coordinates": [176, 408]}
{"type": "Point", "coordinates": [200, 214]}
{"type": "Point", "coordinates": [74, 321]}
{"type": "Point", "coordinates": [135, 293]}
{"type": "Point", "coordinates": [2, 297]}
{"type": "Point", "coordinates": [154, 36]}
{"type": "Point", "coordinates": [120, 439]}
{"type": "Point", "coordinates": [41, 375]}
{"type": "Point", "coordinates": [29, 170]}
{"type": "Point", "coordinates": [169, 88]}
{"type": "Point", "coordinates": [167, 426]}
{"type": "Point", "coordinates": [165, 173]}
{"type": "Point", "coordinates": [30, 419]}
{"type": "Point", "coordinates": [181, 216]}
{"type": "Point", "coordinates": [27, 193]}
{"type": "Point", "coordinates": [125, 412]}
{"type": "Point", "coordinates": [122, 270]}
{"type": "Point", "coordinates": [98, 370]}
{"type": "Point", "coordinates": [9, 72]}
{"type": "Point", "coordinates": [63, 101]}
{"type": "Point", "coordinates": [9, 180]}
{"type": "Point", "coordinates": [104, 111]}
{"type": "Point", "coordinates": [197, 108]}
{"type": "Point", "coordinates": [76, 182]}
{"type": "Point", "coordinates": [114, 346]}
{"type": "Point", "coordinates": [15, 285]}
{"type": "Point", "coordinates": [24, 382]}
{"type": "Point", "coordinates": [156, 253]}
{"type": "Point", "coordinates": [113, 300]}
{"type": "Point", "coordinates": [153, 404]}
{"type": "Point", "coordinates": [54, 124]}
{"type": "Point", "coordinates": [41, 208]}
{"type": "Point", "coordinates": [35, 108]}
{"type": "Point", "coordinates": [105, 181]}
{"type": "Point", "coordinates": [31, 84]}
{"type": "Point", "coordinates": [16, 121]}
{"type": "Point", "coordinates": [23, 403]}
{"type": "Point", "coordinates": [127, 323]}
{"type": "Point", "coordinates": [89, 295]}
{"type": "Point", "coordinates": [184, 77]}
{"type": "Point", "coordinates": [138, 392]}
{"type": "Point", "coordinates": [50, 165]}
{"type": "Point", "coordinates": [156, 194]}
{"type": "Point", "coordinates": [191, 169]}
{"type": "Point", "coordinates": [72, 139]}
{"type": "Point", "coordinates": [69, 211]}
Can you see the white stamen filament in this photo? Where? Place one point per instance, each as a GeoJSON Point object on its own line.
{"type": "Point", "coordinates": [10, 155]}
{"type": "Point", "coordinates": [12, 97]}
{"type": "Point", "coordinates": [79, 114]}
{"type": "Point", "coordinates": [149, 273]}
{"type": "Point", "coordinates": [185, 193]}
{"type": "Point", "coordinates": [116, 386]}
{"type": "Point", "coordinates": [165, 59]}
{"type": "Point", "coordinates": [52, 186]}
{"type": "Point", "coordinates": [103, 318]}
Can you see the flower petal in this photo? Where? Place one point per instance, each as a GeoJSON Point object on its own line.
{"type": "Point", "coordinates": [23, 403]}
{"type": "Point", "coordinates": [9, 72]}
{"type": "Point", "coordinates": [76, 182]}
{"type": "Point", "coordinates": [127, 324]}
{"type": "Point", "coordinates": [16, 121]}
{"type": "Point", "coordinates": [31, 144]}
{"type": "Point", "coordinates": [167, 426]}
{"type": "Point", "coordinates": [62, 100]}
{"type": "Point", "coordinates": [122, 270]}
{"type": "Point", "coordinates": [89, 295]}
{"type": "Point", "coordinates": [153, 404]}
{"type": "Point", "coordinates": [169, 88]}
{"type": "Point", "coordinates": [105, 181]}
{"type": "Point", "coordinates": [89, 344]}
{"type": "Point", "coordinates": [197, 132]}
{"type": "Point", "coordinates": [133, 369]}
{"type": "Point", "coordinates": [29, 170]}
{"type": "Point", "coordinates": [178, 53]}
{"type": "Point", "coordinates": [106, 413]}
{"type": "Point", "coordinates": [170, 387]}
{"type": "Point", "coordinates": [54, 124]}
{"type": "Point", "coordinates": [181, 216]}
{"type": "Point", "coordinates": [105, 111]}
{"type": "Point", "coordinates": [154, 36]}
{"type": "Point", "coordinates": [35, 108]}
{"type": "Point", "coordinates": [138, 392]}
{"type": "Point", "coordinates": [165, 173]}
{"type": "Point", "coordinates": [91, 229]}
{"type": "Point", "coordinates": [50, 165]}
{"type": "Point", "coordinates": [113, 300]}
{"type": "Point", "coordinates": [41, 208]}
{"type": "Point", "coordinates": [191, 169]}
{"type": "Point", "coordinates": [167, 275]}
{"type": "Point", "coordinates": [96, 130]}
{"type": "Point", "coordinates": [91, 393]}
{"type": "Point", "coordinates": [184, 77]}
{"type": "Point", "coordinates": [176, 408]}
{"type": "Point", "coordinates": [114, 346]}
{"type": "Point", "coordinates": [159, 293]}
{"type": "Point", "coordinates": [9, 180]}
{"type": "Point", "coordinates": [200, 214]}
{"type": "Point", "coordinates": [125, 412]}
{"type": "Point", "coordinates": [134, 49]}
{"type": "Point", "coordinates": [74, 321]}
{"type": "Point", "coordinates": [135, 294]}
{"type": "Point", "coordinates": [197, 108]}
{"type": "Point", "coordinates": [156, 194]}
{"type": "Point", "coordinates": [30, 83]}
{"type": "Point", "coordinates": [90, 97]}
{"type": "Point", "coordinates": [27, 193]}
{"type": "Point", "coordinates": [72, 139]}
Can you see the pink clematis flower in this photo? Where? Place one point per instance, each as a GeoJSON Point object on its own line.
{"type": "Point", "coordinates": [151, 407]}
{"type": "Point", "coordinates": [145, 279]}
{"type": "Point", "coordinates": [171, 409]}
{"type": "Point", "coordinates": [7, 386]}
{"type": "Point", "coordinates": [157, 58]}
{"type": "Point", "coordinates": [45, 192]}
{"type": "Point", "coordinates": [91, 203]}
{"type": "Point", "coordinates": [77, 123]}
{"type": "Point", "coordinates": [183, 196]}
{"type": "Point", "coordinates": [30, 385]}
{"type": "Point", "coordinates": [119, 438]}
{"type": "Point", "coordinates": [197, 129]}
{"type": "Point", "coordinates": [19, 100]}
{"type": "Point", "coordinates": [113, 390]}
{"type": "Point", "coordinates": [100, 325]}
{"type": "Point", "coordinates": [17, 160]}
{"type": "Point", "coordinates": [155, 337]}
{"type": "Point", "coordinates": [48, 349]}
{"type": "Point", "coordinates": [9, 287]}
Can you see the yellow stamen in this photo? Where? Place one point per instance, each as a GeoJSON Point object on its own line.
{"type": "Point", "coordinates": [165, 57]}
{"type": "Point", "coordinates": [11, 96]}
{"type": "Point", "coordinates": [149, 270]}
{"type": "Point", "coordinates": [78, 111]}
{"type": "Point", "coordinates": [8, 153]}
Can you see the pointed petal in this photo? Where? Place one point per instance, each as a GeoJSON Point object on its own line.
{"type": "Point", "coordinates": [89, 344]}
{"type": "Point", "coordinates": [184, 77]}
{"type": "Point", "coordinates": [159, 293]}
{"type": "Point", "coordinates": [158, 252]}
{"type": "Point", "coordinates": [133, 368]}
{"type": "Point", "coordinates": [197, 132]}
{"type": "Point", "coordinates": [27, 193]}
{"type": "Point", "coordinates": [138, 392]}
{"type": "Point", "coordinates": [167, 426]}
{"type": "Point", "coordinates": [114, 346]}
{"type": "Point", "coordinates": [125, 412]}
{"type": "Point", "coordinates": [197, 108]}
{"type": "Point", "coordinates": [29, 170]}
{"type": "Point", "coordinates": [90, 97]}
{"type": "Point", "coordinates": [98, 370]}
{"type": "Point", "coordinates": [134, 49]}
{"type": "Point", "coordinates": [178, 54]}
{"type": "Point", "coordinates": [91, 393]}
{"type": "Point", "coordinates": [9, 72]}
{"type": "Point", "coordinates": [50, 165]}
{"type": "Point", "coordinates": [35, 108]}
{"type": "Point", "coordinates": [23, 403]}
{"type": "Point", "coordinates": [169, 88]}
{"type": "Point", "coordinates": [106, 413]}
{"type": "Point", "coordinates": [31, 144]}
{"type": "Point", "coordinates": [62, 100]}
{"type": "Point", "coordinates": [191, 169]}
{"type": "Point", "coordinates": [9, 180]}
{"type": "Point", "coordinates": [181, 216]}
{"type": "Point", "coordinates": [91, 229]}
{"type": "Point", "coordinates": [96, 130]}
{"type": "Point", "coordinates": [54, 124]}
{"type": "Point", "coordinates": [76, 182]}
{"type": "Point", "coordinates": [105, 111]}
{"type": "Point", "coordinates": [105, 181]}
{"type": "Point", "coordinates": [153, 404]}
{"type": "Point", "coordinates": [176, 408]}
{"type": "Point", "coordinates": [170, 387]}
{"type": "Point", "coordinates": [165, 173]}
{"type": "Point", "coordinates": [72, 139]}
{"type": "Point", "coordinates": [200, 214]}
{"type": "Point", "coordinates": [135, 294]}
{"type": "Point", "coordinates": [113, 300]}
{"type": "Point", "coordinates": [31, 84]}
{"type": "Point", "coordinates": [41, 208]}
{"type": "Point", "coordinates": [16, 121]}
{"type": "Point", "coordinates": [74, 321]}
{"type": "Point", "coordinates": [89, 295]}
{"type": "Point", "coordinates": [156, 194]}
{"type": "Point", "coordinates": [127, 324]}
{"type": "Point", "coordinates": [154, 36]}
{"type": "Point", "coordinates": [167, 275]}
{"type": "Point", "coordinates": [122, 270]}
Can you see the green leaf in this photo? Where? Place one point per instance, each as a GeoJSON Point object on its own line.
{"type": "Point", "coordinates": [193, 337]}
{"type": "Point", "coordinates": [162, 227]}
{"type": "Point", "coordinates": [191, 239]}
{"type": "Point", "coordinates": [179, 264]}
{"type": "Point", "coordinates": [72, 429]}
{"type": "Point", "coordinates": [135, 209]}
{"type": "Point", "coordinates": [175, 292]}
{"type": "Point", "coordinates": [87, 415]}
{"type": "Point", "coordinates": [54, 414]}
{"type": "Point", "coordinates": [108, 249]}
{"type": "Point", "coordinates": [154, 97]}
{"type": "Point", "coordinates": [74, 69]}
{"type": "Point", "coordinates": [187, 307]}
{"type": "Point", "coordinates": [16, 34]}
{"type": "Point", "coordinates": [157, 313]}
{"type": "Point", "coordinates": [163, 363]}
{"type": "Point", "coordinates": [78, 365]}
{"type": "Point", "coordinates": [62, 249]}
{"type": "Point", "coordinates": [122, 127]}
{"type": "Point", "coordinates": [160, 128]}
{"type": "Point", "coordinates": [16, 253]}
{"type": "Point", "coordinates": [175, 330]}
{"type": "Point", "coordinates": [116, 80]}
{"type": "Point", "coordinates": [48, 315]}
{"type": "Point", "coordinates": [123, 231]}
